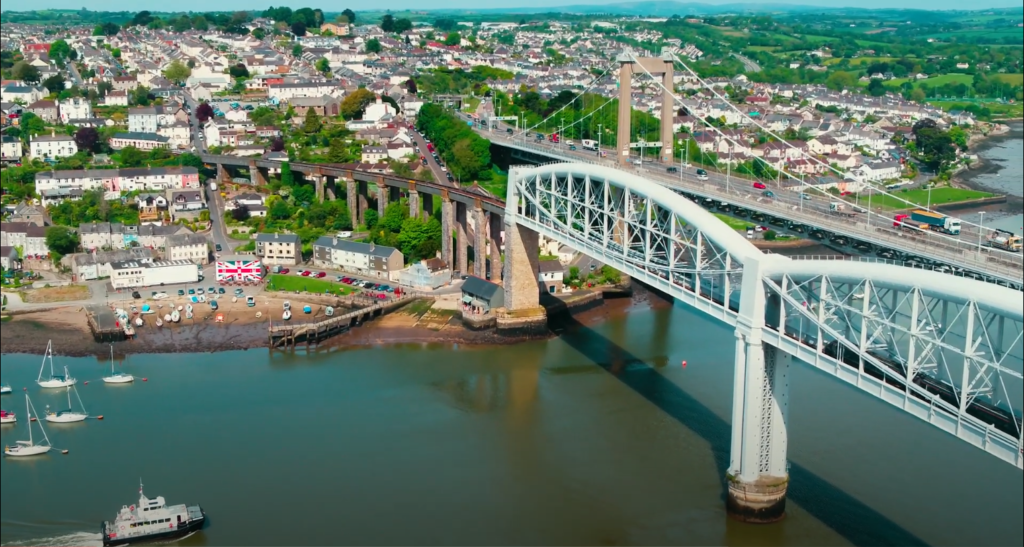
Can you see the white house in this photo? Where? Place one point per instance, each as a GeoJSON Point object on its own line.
{"type": "Point", "coordinates": [53, 147]}
{"type": "Point", "coordinates": [191, 247]}
{"type": "Point", "coordinates": [130, 274]}
{"type": "Point", "coordinates": [873, 172]}
{"type": "Point", "coordinates": [116, 98]}
{"type": "Point", "coordinates": [75, 108]}
{"type": "Point", "coordinates": [374, 154]}
{"type": "Point", "coordinates": [142, 141]}
{"type": "Point", "coordinates": [550, 275]}
{"type": "Point", "coordinates": [378, 110]}
{"type": "Point", "coordinates": [11, 149]}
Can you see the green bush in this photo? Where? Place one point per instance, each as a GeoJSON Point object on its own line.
{"type": "Point", "coordinates": [770, 235]}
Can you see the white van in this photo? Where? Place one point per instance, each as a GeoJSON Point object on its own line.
{"type": "Point", "coordinates": [344, 235]}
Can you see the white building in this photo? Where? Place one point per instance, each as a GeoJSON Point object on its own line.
{"type": "Point", "coordinates": [11, 149]}
{"type": "Point", "coordinates": [550, 275]}
{"type": "Point", "coordinates": [148, 119]}
{"type": "Point", "coordinates": [131, 273]}
{"type": "Point", "coordinates": [76, 108]}
{"type": "Point", "coordinates": [53, 146]}
{"type": "Point", "coordinates": [119, 180]}
{"type": "Point", "coordinates": [190, 247]}
{"type": "Point", "coordinates": [875, 172]}
{"type": "Point", "coordinates": [283, 249]}
{"type": "Point", "coordinates": [142, 141]}
{"type": "Point", "coordinates": [378, 110]}
{"type": "Point", "coordinates": [116, 98]}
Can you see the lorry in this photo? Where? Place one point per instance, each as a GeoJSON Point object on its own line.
{"type": "Point", "coordinates": [839, 208]}
{"type": "Point", "coordinates": [1007, 241]}
{"type": "Point", "coordinates": [928, 220]}
{"type": "Point", "coordinates": [589, 144]}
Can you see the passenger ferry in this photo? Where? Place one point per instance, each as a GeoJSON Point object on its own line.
{"type": "Point", "coordinates": [152, 521]}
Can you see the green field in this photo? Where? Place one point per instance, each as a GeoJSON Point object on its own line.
{"type": "Point", "coordinates": [762, 48]}
{"type": "Point", "coordinates": [861, 60]}
{"type": "Point", "coordinates": [940, 196]}
{"type": "Point", "coordinates": [1012, 79]}
{"type": "Point", "coordinates": [936, 81]}
{"type": "Point", "coordinates": [999, 110]}
{"type": "Point", "coordinates": [733, 223]}
{"type": "Point", "coordinates": [279, 282]}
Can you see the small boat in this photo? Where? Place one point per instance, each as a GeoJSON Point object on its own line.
{"type": "Point", "coordinates": [179, 308]}
{"type": "Point", "coordinates": [307, 309]}
{"type": "Point", "coordinates": [167, 318]}
{"type": "Point", "coordinates": [234, 299]}
{"type": "Point", "coordinates": [138, 321]}
{"type": "Point", "coordinates": [188, 309]}
{"type": "Point", "coordinates": [286, 315]}
{"type": "Point", "coordinates": [159, 323]}
{"type": "Point", "coordinates": [68, 415]}
{"type": "Point", "coordinates": [329, 312]}
{"type": "Point", "coordinates": [287, 305]}
{"type": "Point", "coordinates": [202, 298]}
{"type": "Point", "coordinates": [7, 417]}
{"type": "Point", "coordinates": [175, 316]}
{"type": "Point", "coordinates": [188, 315]}
{"type": "Point", "coordinates": [152, 521]}
{"type": "Point", "coordinates": [213, 305]}
{"type": "Point", "coordinates": [53, 382]}
{"type": "Point", "coordinates": [118, 377]}
{"type": "Point", "coordinates": [146, 310]}
{"type": "Point", "coordinates": [23, 449]}
{"type": "Point", "coordinates": [5, 389]}
{"type": "Point", "coordinates": [259, 314]}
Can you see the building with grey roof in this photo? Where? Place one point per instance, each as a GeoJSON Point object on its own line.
{"type": "Point", "coordinates": [363, 259]}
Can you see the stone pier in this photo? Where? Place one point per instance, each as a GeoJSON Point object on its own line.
{"type": "Point", "coordinates": [428, 206]}
{"type": "Point", "coordinates": [479, 242]}
{"type": "Point", "coordinates": [447, 227]}
{"type": "Point", "coordinates": [495, 224]}
{"type": "Point", "coordinates": [382, 199]}
{"type": "Point", "coordinates": [352, 198]}
{"type": "Point", "coordinates": [414, 201]}
{"type": "Point", "coordinates": [523, 313]}
{"type": "Point", "coordinates": [462, 237]}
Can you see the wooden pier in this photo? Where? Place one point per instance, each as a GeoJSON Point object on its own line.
{"type": "Point", "coordinates": [290, 333]}
{"type": "Point", "coordinates": [104, 324]}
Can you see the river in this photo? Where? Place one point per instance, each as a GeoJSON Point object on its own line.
{"type": "Point", "coordinates": [599, 437]}
{"type": "Point", "coordinates": [1003, 173]}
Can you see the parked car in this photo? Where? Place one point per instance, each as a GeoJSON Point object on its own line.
{"type": "Point", "coordinates": [136, 295]}
{"type": "Point", "coordinates": [239, 291]}
{"type": "Point", "coordinates": [321, 275]}
{"type": "Point", "coordinates": [181, 292]}
{"type": "Point", "coordinates": [220, 290]}
{"type": "Point", "coordinates": [218, 247]}
{"type": "Point", "coordinates": [760, 185]}
{"type": "Point", "coordinates": [306, 273]}
{"type": "Point", "coordinates": [199, 291]}
{"type": "Point", "coordinates": [190, 291]}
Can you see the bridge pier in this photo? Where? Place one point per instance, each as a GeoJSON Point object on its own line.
{"type": "Point", "coordinates": [353, 202]}
{"type": "Point", "coordinates": [319, 184]}
{"type": "Point", "coordinates": [330, 187]}
{"type": "Point", "coordinates": [363, 198]}
{"type": "Point", "coordinates": [382, 199]}
{"type": "Point", "coordinates": [524, 314]}
{"type": "Point", "coordinates": [462, 237]}
{"type": "Point", "coordinates": [414, 201]}
{"type": "Point", "coordinates": [496, 224]}
{"type": "Point", "coordinates": [447, 227]}
{"type": "Point", "coordinates": [428, 206]}
{"type": "Point", "coordinates": [758, 474]}
{"type": "Point", "coordinates": [256, 177]}
{"type": "Point", "coordinates": [479, 242]}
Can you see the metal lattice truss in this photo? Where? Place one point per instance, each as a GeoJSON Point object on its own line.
{"type": "Point", "coordinates": [947, 350]}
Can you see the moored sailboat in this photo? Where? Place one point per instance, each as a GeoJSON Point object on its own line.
{"type": "Point", "coordinates": [53, 381]}
{"type": "Point", "coordinates": [23, 449]}
{"type": "Point", "coordinates": [117, 377]}
{"type": "Point", "coordinates": [7, 417]}
{"type": "Point", "coordinates": [69, 415]}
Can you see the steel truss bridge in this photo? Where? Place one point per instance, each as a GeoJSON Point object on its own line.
{"type": "Point", "coordinates": [947, 350]}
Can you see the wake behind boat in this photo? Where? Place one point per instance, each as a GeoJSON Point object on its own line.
{"type": "Point", "coordinates": [53, 382]}
{"type": "Point", "coordinates": [152, 521]}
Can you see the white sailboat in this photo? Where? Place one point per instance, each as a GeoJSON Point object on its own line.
{"type": "Point", "coordinates": [23, 449]}
{"type": "Point", "coordinates": [69, 415]}
{"type": "Point", "coordinates": [138, 322]}
{"type": "Point", "coordinates": [7, 417]}
{"type": "Point", "coordinates": [53, 382]}
{"type": "Point", "coordinates": [117, 377]}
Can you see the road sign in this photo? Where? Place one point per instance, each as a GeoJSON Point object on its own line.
{"type": "Point", "coordinates": [645, 144]}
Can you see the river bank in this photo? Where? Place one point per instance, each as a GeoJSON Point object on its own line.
{"type": "Point", "coordinates": [998, 168]}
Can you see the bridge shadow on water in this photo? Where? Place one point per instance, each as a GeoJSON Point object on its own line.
{"type": "Point", "coordinates": [856, 522]}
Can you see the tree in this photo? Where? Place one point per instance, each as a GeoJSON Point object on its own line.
{"type": "Point", "coordinates": [840, 80]}
{"type": "Point", "coordinates": [394, 215]}
{"type": "Point", "coordinates": [259, 33]}
{"type": "Point", "coordinates": [87, 138]}
{"type": "Point", "coordinates": [240, 213]}
{"type": "Point", "coordinates": [402, 25]}
{"type": "Point", "coordinates": [132, 157]}
{"type": "Point", "coordinates": [140, 96]}
{"type": "Point", "coordinates": [917, 95]}
{"type": "Point", "coordinates": [410, 86]}
{"type": "Point", "coordinates": [453, 39]}
{"type": "Point", "coordinates": [311, 124]}
{"type": "Point", "coordinates": [959, 137]}
{"type": "Point", "coordinates": [372, 46]}
{"type": "Point", "coordinates": [200, 23]}
{"type": "Point", "coordinates": [25, 72]}
{"type": "Point", "coordinates": [277, 145]}
{"type": "Point", "coordinates": [370, 217]}
{"type": "Point", "coordinates": [323, 65]}
{"type": "Point", "coordinates": [354, 104]}
{"type": "Point", "coordinates": [55, 83]}
{"type": "Point", "coordinates": [418, 239]}
{"type": "Point", "coordinates": [338, 151]}
{"type": "Point", "coordinates": [387, 23]}
{"type": "Point", "coordinates": [177, 72]}
{"type": "Point", "coordinates": [60, 51]}
{"type": "Point", "coordinates": [349, 15]}
{"type": "Point", "coordinates": [876, 88]}
{"type": "Point", "coordinates": [115, 53]}
{"type": "Point", "coordinates": [238, 71]}
{"type": "Point", "coordinates": [204, 112]}
{"type": "Point", "coordinates": [299, 28]}
{"type": "Point", "coordinates": [297, 50]}
{"type": "Point", "coordinates": [287, 178]}
{"type": "Point", "coordinates": [61, 240]}
{"type": "Point", "coordinates": [280, 210]}
{"type": "Point", "coordinates": [106, 29]}
{"type": "Point", "coordinates": [445, 24]}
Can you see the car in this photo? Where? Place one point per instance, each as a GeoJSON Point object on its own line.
{"type": "Point", "coordinates": [672, 170]}
{"type": "Point", "coordinates": [181, 292]}
{"type": "Point", "coordinates": [218, 247]}
{"type": "Point", "coordinates": [136, 295]}
{"type": "Point", "coordinates": [220, 290]}
{"type": "Point", "coordinates": [239, 291]}
{"type": "Point", "coordinates": [190, 291]}
{"type": "Point", "coordinates": [306, 273]}
{"type": "Point", "coordinates": [768, 194]}
{"type": "Point", "coordinates": [376, 286]}
{"type": "Point", "coordinates": [382, 296]}
{"type": "Point", "coordinates": [199, 290]}
{"type": "Point", "coordinates": [593, 266]}
{"type": "Point", "coordinates": [284, 271]}
{"type": "Point", "coordinates": [804, 195]}
{"type": "Point", "coordinates": [321, 275]}
{"type": "Point", "coordinates": [423, 159]}
{"type": "Point", "coordinates": [346, 279]}
{"type": "Point", "coordinates": [760, 185]}
{"type": "Point", "coordinates": [211, 290]}
{"type": "Point", "coordinates": [367, 285]}
{"type": "Point", "coordinates": [702, 174]}
{"type": "Point", "coordinates": [572, 147]}
{"type": "Point", "coordinates": [509, 130]}
{"type": "Point", "coordinates": [385, 288]}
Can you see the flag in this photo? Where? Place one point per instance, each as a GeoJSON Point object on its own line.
{"type": "Point", "coordinates": [242, 270]}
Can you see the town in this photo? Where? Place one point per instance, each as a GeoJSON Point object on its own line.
{"type": "Point", "coordinates": [106, 126]}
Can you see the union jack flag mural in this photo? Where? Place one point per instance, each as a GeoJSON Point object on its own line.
{"type": "Point", "coordinates": [239, 270]}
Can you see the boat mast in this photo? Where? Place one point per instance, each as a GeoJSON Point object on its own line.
{"type": "Point", "coordinates": [28, 411]}
{"type": "Point", "coordinates": [111, 359]}
{"type": "Point", "coordinates": [80, 403]}
{"type": "Point", "coordinates": [43, 365]}
{"type": "Point", "coordinates": [40, 422]}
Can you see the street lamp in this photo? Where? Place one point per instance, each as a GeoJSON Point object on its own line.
{"type": "Point", "coordinates": [871, 190]}
{"type": "Point", "coordinates": [981, 229]}
{"type": "Point", "coordinates": [600, 129]}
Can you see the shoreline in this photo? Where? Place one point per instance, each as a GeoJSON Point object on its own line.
{"type": "Point", "coordinates": [25, 332]}
{"type": "Point", "coordinates": [968, 178]}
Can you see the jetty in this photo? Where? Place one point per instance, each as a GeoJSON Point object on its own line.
{"type": "Point", "coordinates": [104, 324]}
{"type": "Point", "coordinates": [289, 333]}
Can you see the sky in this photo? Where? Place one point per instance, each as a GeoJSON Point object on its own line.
{"type": "Point", "coordinates": [250, 5]}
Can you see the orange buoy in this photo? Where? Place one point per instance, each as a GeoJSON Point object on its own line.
{"type": "Point", "coordinates": [145, 379]}
{"type": "Point", "coordinates": [99, 417]}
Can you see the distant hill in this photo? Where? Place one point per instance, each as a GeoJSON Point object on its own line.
{"type": "Point", "coordinates": [667, 9]}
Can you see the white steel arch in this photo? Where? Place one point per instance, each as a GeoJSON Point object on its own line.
{"type": "Point", "coordinates": [945, 349]}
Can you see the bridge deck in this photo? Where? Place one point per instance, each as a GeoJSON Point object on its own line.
{"type": "Point", "coordinates": [296, 329]}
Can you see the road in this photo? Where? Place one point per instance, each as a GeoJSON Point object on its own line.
{"type": "Point", "coordinates": [75, 76]}
{"type": "Point", "coordinates": [748, 64]}
{"type": "Point", "coordinates": [214, 201]}
{"type": "Point", "coordinates": [440, 175]}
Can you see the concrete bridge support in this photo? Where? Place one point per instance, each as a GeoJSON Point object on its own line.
{"type": "Point", "coordinates": [479, 242]}
{"type": "Point", "coordinates": [382, 199]}
{"type": "Point", "coordinates": [320, 183]}
{"type": "Point", "coordinates": [758, 471]}
{"type": "Point", "coordinates": [447, 227]}
{"type": "Point", "coordinates": [330, 188]}
{"type": "Point", "coordinates": [462, 237]}
{"type": "Point", "coordinates": [257, 176]}
{"type": "Point", "coordinates": [428, 205]}
{"type": "Point", "coordinates": [352, 197]}
{"type": "Point", "coordinates": [363, 197]}
{"type": "Point", "coordinates": [414, 202]}
{"type": "Point", "coordinates": [523, 312]}
{"type": "Point", "coordinates": [223, 175]}
{"type": "Point", "coordinates": [495, 223]}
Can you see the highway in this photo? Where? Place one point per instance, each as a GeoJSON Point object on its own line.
{"type": "Point", "coordinates": [963, 252]}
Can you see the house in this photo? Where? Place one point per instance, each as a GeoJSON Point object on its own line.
{"type": "Point", "coordinates": [116, 98]}
{"type": "Point", "coordinates": [426, 275]}
{"type": "Point", "coordinates": [46, 110]}
{"type": "Point", "coordinates": [183, 201]}
{"type": "Point", "coordinates": [480, 296]}
{"type": "Point", "coordinates": [324, 106]}
{"type": "Point", "coordinates": [374, 154]}
{"type": "Point", "coordinates": [129, 274]}
{"type": "Point", "coordinates": [53, 146]}
{"type": "Point", "coordinates": [283, 249]}
{"type": "Point", "coordinates": [96, 264]}
{"type": "Point", "coordinates": [550, 276]}
{"type": "Point", "coordinates": [335, 29]}
{"type": "Point", "coordinates": [31, 239]}
{"type": "Point", "coordinates": [11, 149]}
{"type": "Point", "coordinates": [9, 258]}
{"type": "Point", "coordinates": [31, 214]}
{"type": "Point", "coordinates": [249, 200]}
{"type": "Point", "coordinates": [145, 119]}
{"type": "Point", "coordinates": [75, 108]}
{"type": "Point", "coordinates": [142, 141]}
{"type": "Point", "coordinates": [25, 94]}
{"type": "Point", "coordinates": [191, 247]}
{"type": "Point", "coordinates": [365, 259]}
{"type": "Point", "coordinates": [879, 171]}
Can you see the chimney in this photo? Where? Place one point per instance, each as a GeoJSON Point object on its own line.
{"type": "Point", "coordinates": [276, 235]}
{"type": "Point", "coordinates": [334, 241]}
{"type": "Point", "coordinates": [372, 246]}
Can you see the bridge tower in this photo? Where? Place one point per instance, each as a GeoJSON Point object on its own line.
{"type": "Point", "coordinates": [758, 471]}
{"type": "Point", "coordinates": [662, 66]}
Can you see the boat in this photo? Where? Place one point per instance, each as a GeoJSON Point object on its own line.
{"type": "Point", "coordinates": [5, 389]}
{"type": "Point", "coordinates": [307, 309]}
{"type": "Point", "coordinates": [188, 315]}
{"type": "Point", "coordinates": [286, 315]}
{"type": "Point", "coordinates": [159, 323]}
{"type": "Point", "coordinates": [250, 301]}
{"type": "Point", "coordinates": [115, 376]}
{"type": "Point", "coordinates": [167, 318]}
{"type": "Point", "coordinates": [188, 309]}
{"type": "Point", "coordinates": [24, 449]}
{"type": "Point", "coordinates": [146, 310]}
{"type": "Point", "coordinates": [259, 314]}
{"type": "Point", "coordinates": [287, 305]}
{"type": "Point", "coordinates": [179, 308]}
{"type": "Point", "coordinates": [138, 321]}
{"type": "Point", "coordinates": [152, 521]}
{"type": "Point", "coordinates": [175, 316]}
{"type": "Point", "coordinates": [329, 311]}
{"type": "Point", "coordinates": [234, 299]}
{"type": "Point", "coordinates": [7, 417]}
{"type": "Point", "coordinates": [53, 382]}
{"type": "Point", "coordinates": [67, 416]}
{"type": "Point", "coordinates": [213, 305]}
